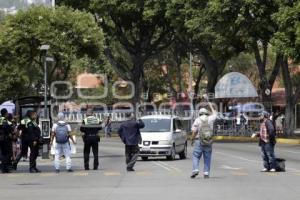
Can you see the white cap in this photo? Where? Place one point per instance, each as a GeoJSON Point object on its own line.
{"type": "Point", "coordinates": [61, 116]}
{"type": "Point", "coordinates": [203, 111]}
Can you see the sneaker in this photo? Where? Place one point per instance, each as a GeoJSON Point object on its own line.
{"type": "Point", "coordinates": [194, 174]}
{"type": "Point", "coordinates": [273, 170]}
{"type": "Point", "coordinates": [264, 170]}
{"type": "Point", "coordinates": [206, 175]}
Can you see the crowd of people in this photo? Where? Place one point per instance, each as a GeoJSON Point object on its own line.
{"type": "Point", "coordinates": [17, 138]}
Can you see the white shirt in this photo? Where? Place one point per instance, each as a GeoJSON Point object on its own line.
{"type": "Point", "coordinates": [197, 123]}
{"type": "Point", "coordinates": [61, 122]}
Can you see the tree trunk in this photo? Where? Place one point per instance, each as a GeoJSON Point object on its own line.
{"type": "Point", "coordinates": [289, 122]}
{"type": "Point", "coordinates": [137, 73]}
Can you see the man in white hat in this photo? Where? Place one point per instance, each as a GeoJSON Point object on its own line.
{"type": "Point", "coordinates": [202, 133]}
{"type": "Point", "coordinates": [61, 132]}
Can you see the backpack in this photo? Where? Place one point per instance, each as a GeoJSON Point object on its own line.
{"type": "Point", "coordinates": [62, 133]}
{"type": "Point", "coordinates": [206, 133]}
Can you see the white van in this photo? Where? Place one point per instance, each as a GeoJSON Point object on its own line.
{"type": "Point", "coordinates": [163, 135]}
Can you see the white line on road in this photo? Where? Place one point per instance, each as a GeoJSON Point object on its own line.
{"type": "Point", "coordinates": [169, 166]}
{"type": "Point", "coordinates": [238, 157]}
{"type": "Point", "coordinates": [230, 168]}
{"type": "Point", "coordinates": [162, 166]}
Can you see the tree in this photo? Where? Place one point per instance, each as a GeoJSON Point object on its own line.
{"type": "Point", "coordinates": [134, 31]}
{"type": "Point", "coordinates": [287, 42]}
{"type": "Point", "coordinates": [70, 34]}
{"type": "Point", "coordinates": [258, 27]}
{"type": "Point", "coordinates": [208, 29]}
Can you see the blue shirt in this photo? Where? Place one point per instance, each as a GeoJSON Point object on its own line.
{"type": "Point", "coordinates": [129, 132]}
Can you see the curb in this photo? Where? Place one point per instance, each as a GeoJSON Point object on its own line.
{"type": "Point", "coordinates": [249, 139]}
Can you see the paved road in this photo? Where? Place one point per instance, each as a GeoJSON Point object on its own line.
{"type": "Point", "coordinates": [235, 175]}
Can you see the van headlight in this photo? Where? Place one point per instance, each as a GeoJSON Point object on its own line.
{"type": "Point", "coordinates": [164, 142]}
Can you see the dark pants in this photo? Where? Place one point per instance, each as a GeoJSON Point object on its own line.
{"type": "Point", "coordinates": [34, 152]}
{"type": "Point", "coordinates": [24, 150]}
{"type": "Point", "coordinates": [132, 154]}
{"type": "Point", "coordinates": [268, 156]}
{"type": "Point", "coordinates": [6, 151]}
{"type": "Point", "coordinates": [88, 144]}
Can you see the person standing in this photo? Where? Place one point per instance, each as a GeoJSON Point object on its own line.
{"type": "Point", "coordinates": [130, 135]}
{"type": "Point", "coordinates": [34, 135]}
{"type": "Point", "coordinates": [5, 141]}
{"type": "Point", "coordinates": [267, 141]}
{"type": "Point", "coordinates": [61, 132]}
{"type": "Point", "coordinates": [24, 136]}
{"type": "Point", "coordinates": [107, 127]}
{"type": "Point", "coordinates": [202, 139]}
{"type": "Point", "coordinates": [91, 127]}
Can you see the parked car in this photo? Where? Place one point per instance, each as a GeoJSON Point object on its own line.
{"type": "Point", "coordinates": [163, 135]}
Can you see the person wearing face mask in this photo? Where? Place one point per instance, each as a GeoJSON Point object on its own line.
{"type": "Point", "coordinates": [202, 139]}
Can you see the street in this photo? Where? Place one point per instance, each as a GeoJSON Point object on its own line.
{"type": "Point", "coordinates": [235, 175]}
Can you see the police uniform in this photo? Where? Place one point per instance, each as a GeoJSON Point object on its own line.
{"type": "Point", "coordinates": [24, 140]}
{"type": "Point", "coordinates": [34, 136]}
{"type": "Point", "coordinates": [5, 144]}
{"type": "Point", "coordinates": [90, 127]}
{"type": "Point", "coordinates": [30, 133]}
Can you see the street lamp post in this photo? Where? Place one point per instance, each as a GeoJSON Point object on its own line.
{"type": "Point", "coordinates": [191, 86]}
{"type": "Point", "coordinates": [45, 48]}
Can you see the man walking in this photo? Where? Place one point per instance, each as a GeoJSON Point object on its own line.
{"type": "Point", "coordinates": [202, 139]}
{"type": "Point", "coordinates": [267, 143]}
{"type": "Point", "coordinates": [61, 132]}
{"type": "Point", "coordinates": [129, 133]}
{"type": "Point", "coordinates": [91, 127]}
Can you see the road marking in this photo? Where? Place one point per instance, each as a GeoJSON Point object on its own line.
{"type": "Point", "coordinates": [47, 174]}
{"type": "Point", "coordinates": [271, 174]}
{"type": "Point", "coordinates": [15, 175]}
{"type": "Point", "coordinates": [162, 166]}
{"type": "Point", "coordinates": [238, 157]}
{"type": "Point", "coordinates": [112, 173]}
{"type": "Point", "coordinates": [81, 174]}
{"type": "Point", "coordinates": [230, 168]}
{"type": "Point", "coordinates": [170, 166]}
{"type": "Point", "coordinates": [236, 173]}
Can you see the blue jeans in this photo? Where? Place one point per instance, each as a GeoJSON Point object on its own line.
{"type": "Point", "coordinates": [268, 156]}
{"type": "Point", "coordinates": [197, 154]}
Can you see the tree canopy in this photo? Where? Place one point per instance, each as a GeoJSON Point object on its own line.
{"type": "Point", "coordinates": [71, 35]}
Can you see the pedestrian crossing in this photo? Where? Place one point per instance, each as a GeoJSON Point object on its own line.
{"type": "Point", "coordinates": [162, 168]}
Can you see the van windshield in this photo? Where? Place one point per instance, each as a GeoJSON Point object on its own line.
{"type": "Point", "coordinates": [156, 125]}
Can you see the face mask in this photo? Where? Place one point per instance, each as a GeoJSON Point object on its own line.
{"type": "Point", "coordinates": [203, 117]}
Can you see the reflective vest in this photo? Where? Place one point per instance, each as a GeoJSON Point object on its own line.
{"type": "Point", "coordinates": [2, 120]}
{"type": "Point", "coordinates": [25, 122]}
{"type": "Point", "coordinates": [91, 120]}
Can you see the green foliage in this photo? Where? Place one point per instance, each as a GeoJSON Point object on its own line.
{"type": "Point", "coordinates": [287, 39]}
{"type": "Point", "coordinates": [71, 35]}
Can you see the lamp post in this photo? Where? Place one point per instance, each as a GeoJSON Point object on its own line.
{"type": "Point", "coordinates": [45, 48]}
{"type": "Point", "coordinates": [191, 86]}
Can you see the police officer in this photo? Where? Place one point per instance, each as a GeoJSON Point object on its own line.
{"type": "Point", "coordinates": [34, 133]}
{"type": "Point", "coordinates": [31, 135]}
{"type": "Point", "coordinates": [23, 134]}
{"type": "Point", "coordinates": [90, 127]}
{"type": "Point", "coordinates": [5, 141]}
